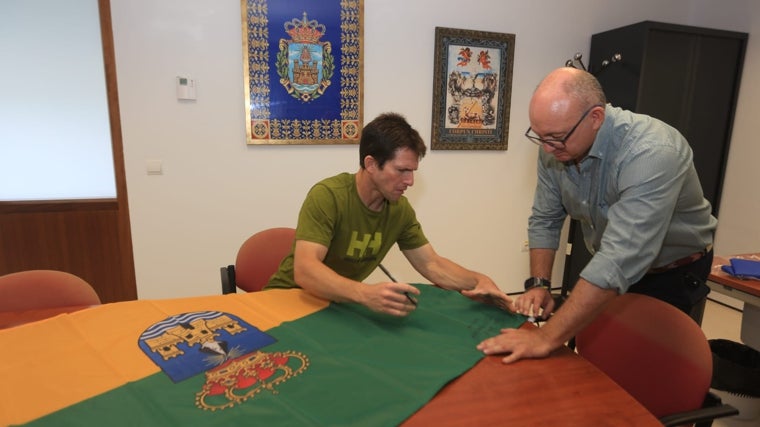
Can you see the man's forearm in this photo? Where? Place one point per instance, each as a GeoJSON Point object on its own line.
{"type": "Point", "coordinates": [541, 262]}
{"type": "Point", "coordinates": [318, 279]}
{"type": "Point", "coordinates": [450, 275]}
{"type": "Point", "coordinates": [586, 301]}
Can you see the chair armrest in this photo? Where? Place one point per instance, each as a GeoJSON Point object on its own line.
{"type": "Point", "coordinates": [228, 280]}
{"type": "Point", "coordinates": [699, 415]}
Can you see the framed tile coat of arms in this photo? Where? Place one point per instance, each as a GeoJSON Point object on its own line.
{"type": "Point", "coordinates": [302, 66]}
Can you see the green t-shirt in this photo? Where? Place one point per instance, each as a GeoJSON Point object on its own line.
{"type": "Point", "coordinates": [357, 238]}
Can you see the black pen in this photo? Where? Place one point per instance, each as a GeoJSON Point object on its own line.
{"type": "Point", "coordinates": [393, 279]}
{"type": "Point", "coordinates": [412, 300]}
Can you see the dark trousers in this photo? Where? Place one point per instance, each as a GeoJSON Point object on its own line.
{"type": "Point", "coordinates": [684, 287]}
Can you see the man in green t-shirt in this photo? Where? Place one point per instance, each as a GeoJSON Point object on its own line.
{"type": "Point", "coordinates": [349, 222]}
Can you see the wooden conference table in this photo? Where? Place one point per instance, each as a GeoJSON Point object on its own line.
{"type": "Point", "coordinates": [747, 291]}
{"type": "Point", "coordinates": [563, 389]}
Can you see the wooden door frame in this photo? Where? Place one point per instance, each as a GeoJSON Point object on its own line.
{"type": "Point", "coordinates": [112, 92]}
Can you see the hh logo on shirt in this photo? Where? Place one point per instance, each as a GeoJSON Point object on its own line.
{"type": "Point", "coordinates": [365, 247]}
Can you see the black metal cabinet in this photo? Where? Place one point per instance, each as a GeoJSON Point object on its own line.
{"type": "Point", "coordinates": [686, 76]}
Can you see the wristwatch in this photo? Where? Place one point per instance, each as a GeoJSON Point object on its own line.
{"type": "Point", "coordinates": [538, 282]}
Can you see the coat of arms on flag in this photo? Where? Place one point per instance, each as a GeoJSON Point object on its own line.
{"type": "Point", "coordinates": [187, 344]}
{"type": "Point", "coordinates": [226, 348]}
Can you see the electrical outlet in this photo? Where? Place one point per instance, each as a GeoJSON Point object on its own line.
{"type": "Point", "coordinates": [524, 247]}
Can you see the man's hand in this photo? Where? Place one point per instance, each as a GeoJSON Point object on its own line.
{"type": "Point", "coordinates": [487, 292]}
{"type": "Point", "coordinates": [389, 298]}
{"type": "Point", "coordinates": [536, 302]}
{"type": "Point", "coordinates": [518, 343]}
{"type": "Point", "coordinates": [498, 298]}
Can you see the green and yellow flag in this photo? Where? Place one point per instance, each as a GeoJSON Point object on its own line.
{"type": "Point", "coordinates": [269, 358]}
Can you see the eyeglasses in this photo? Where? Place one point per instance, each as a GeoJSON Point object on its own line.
{"type": "Point", "coordinates": [557, 143]}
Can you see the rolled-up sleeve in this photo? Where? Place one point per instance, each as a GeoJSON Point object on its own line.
{"type": "Point", "coordinates": [548, 214]}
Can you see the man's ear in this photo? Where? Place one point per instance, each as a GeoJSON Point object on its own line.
{"type": "Point", "coordinates": [370, 163]}
{"type": "Point", "coordinates": [597, 115]}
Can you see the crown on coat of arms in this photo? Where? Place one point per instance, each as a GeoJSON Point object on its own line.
{"type": "Point", "coordinates": [237, 380]}
{"type": "Point", "coordinates": [305, 31]}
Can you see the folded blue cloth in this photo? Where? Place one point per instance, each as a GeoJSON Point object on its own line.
{"type": "Point", "coordinates": [743, 268]}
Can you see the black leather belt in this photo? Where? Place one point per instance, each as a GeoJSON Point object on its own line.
{"type": "Point", "coordinates": [696, 256]}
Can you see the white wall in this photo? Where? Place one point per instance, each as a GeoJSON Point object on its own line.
{"type": "Point", "coordinates": [215, 190]}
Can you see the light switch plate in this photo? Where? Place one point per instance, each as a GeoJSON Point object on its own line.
{"type": "Point", "coordinates": [155, 167]}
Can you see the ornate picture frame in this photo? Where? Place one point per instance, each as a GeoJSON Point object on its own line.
{"type": "Point", "coordinates": [302, 67]}
{"type": "Point", "coordinates": [472, 89]}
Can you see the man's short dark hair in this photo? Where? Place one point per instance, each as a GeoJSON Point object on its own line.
{"type": "Point", "coordinates": [387, 133]}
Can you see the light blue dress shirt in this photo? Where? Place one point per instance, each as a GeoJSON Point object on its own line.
{"type": "Point", "coordinates": [636, 194]}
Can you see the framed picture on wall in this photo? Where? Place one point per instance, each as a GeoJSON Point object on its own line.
{"type": "Point", "coordinates": [472, 89]}
{"type": "Point", "coordinates": [302, 66]}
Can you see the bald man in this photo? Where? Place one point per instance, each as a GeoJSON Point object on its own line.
{"type": "Point", "coordinates": [630, 181]}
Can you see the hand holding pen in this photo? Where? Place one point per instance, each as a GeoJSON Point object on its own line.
{"type": "Point", "coordinates": [393, 279]}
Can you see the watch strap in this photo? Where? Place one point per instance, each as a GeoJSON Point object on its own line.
{"type": "Point", "coordinates": [537, 282]}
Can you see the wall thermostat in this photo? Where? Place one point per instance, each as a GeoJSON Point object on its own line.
{"type": "Point", "coordinates": [185, 88]}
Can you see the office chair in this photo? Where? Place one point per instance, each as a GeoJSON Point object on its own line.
{"type": "Point", "coordinates": [36, 289]}
{"type": "Point", "coordinates": [659, 355]}
{"type": "Point", "coordinates": [257, 260]}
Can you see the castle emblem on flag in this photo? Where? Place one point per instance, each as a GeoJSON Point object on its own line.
{"type": "Point", "coordinates": [304, 63]}
{"type": "Point", "coordinates": [187, 344]}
